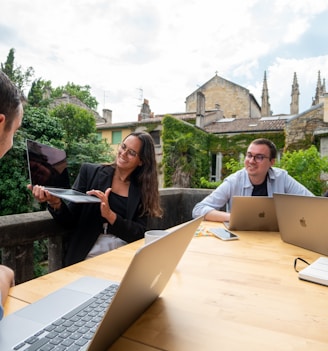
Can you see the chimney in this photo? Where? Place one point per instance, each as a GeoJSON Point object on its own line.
{"type": "Point", "coordinates": [200, 109]}
{"type": "Point", "coordinates": [107, 115]}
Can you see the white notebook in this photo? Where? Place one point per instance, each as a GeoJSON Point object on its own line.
{"type": "Point", "coordinates": [316, 272]}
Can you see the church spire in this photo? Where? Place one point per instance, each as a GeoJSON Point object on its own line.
{"type": "Point", "coordinates": [294, 105]}
{"type": "Point", "coordinates": [265, 109]}
{"type": "Point", "coordinates": [319, 90]}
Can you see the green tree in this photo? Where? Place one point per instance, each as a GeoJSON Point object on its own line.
{"type": "Point", "coordinates": [77, 122]}
{"type": "Point", "coordinates": [90, 150]}
{"type": "Point", "coordinates": [14, 196]}
{"type": "Point", "coordinates": [38, 124]}
{"type": "Point", "coordinates": [15, 73]}
{"type": "Point", "coordinates": [67, 127]}
{"type": "Point", "coordinates": [306, 166]}
{"type": "Point", "coordinates": [40, 93]}
{"type": "Point", "coordinates": [80, 137]}
{"type": "Point", "coordinates": [81, 92]}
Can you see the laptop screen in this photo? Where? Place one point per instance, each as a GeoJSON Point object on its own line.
{"type": "Point", "coordinates": [47, 165]}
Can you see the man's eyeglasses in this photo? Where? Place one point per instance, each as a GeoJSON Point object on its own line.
{"type": "Point", "coordinates": [129, 152]}
{"type": "Point", "coordinates": [257, 157]}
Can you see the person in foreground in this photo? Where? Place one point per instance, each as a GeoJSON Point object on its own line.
{"type": "Point", "coordinates": [128, 190]}
{"type": "Point", "coordinates": [257, 178]}
{"type": "Point", "coordinates": [6, 281]}
{"type": "Point", "coordinates": [11, 115]}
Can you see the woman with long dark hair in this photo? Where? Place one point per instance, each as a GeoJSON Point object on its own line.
{"type": "Point", "coordinates": [128, 190]}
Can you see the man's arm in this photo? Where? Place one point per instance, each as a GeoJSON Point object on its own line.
{"type": "Point", "coordinates": [6, 281]}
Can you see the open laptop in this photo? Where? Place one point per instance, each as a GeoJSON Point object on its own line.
{"type": "Point", "coordinates": [256, 213]}
{"type": "Point", "coordinates": [148, 273]}
{"type": "Point", "coordinates": [47, 166]}
{"type": "Point", "coordinates": [302, 221]}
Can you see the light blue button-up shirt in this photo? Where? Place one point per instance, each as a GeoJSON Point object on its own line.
{"type": "Point", "coordinates": [238, 184]}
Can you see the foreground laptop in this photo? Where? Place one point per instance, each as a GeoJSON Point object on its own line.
{"type": "Point", "coordinates": [256, 213]}
{"type": "Point", "coordinates": [47, 166]}
{"type": "Point", "coordinates": [302, 221]}
{"type": "Point", "coordinates": [144, 280]}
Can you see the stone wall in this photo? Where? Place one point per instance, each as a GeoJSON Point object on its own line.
{"type": "Point", "coordinates": [219, 91]}
{"type": "Point", "coordinates": [19, 232]}
{"type": "Point", "coordinates": [304, 125]}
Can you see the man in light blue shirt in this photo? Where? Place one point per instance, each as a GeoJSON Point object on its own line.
{"type": "Point", "coordinates": [257, 178]}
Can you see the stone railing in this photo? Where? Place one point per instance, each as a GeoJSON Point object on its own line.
{"type": "Point", "coordinates": [19, 232]}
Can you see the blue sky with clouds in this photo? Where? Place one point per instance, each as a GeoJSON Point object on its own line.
{"type": "Point", "coordinates": [127, 50]}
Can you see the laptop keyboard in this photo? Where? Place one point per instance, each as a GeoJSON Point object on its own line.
{"type": "Point", "coordinates": [75, 329]}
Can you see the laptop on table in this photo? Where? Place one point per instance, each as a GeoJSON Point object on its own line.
{"type": "Point", "coordinates": [255, 213]}
{"type": "Point", "coordinates": [302, 221]}
{"type": "Point", "coordinates": [147, 275]}
{"type": "Point", "coordinates": [47, 167]}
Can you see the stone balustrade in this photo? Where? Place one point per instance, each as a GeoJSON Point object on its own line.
{"type": "Point", "coordinates": [19, 232]}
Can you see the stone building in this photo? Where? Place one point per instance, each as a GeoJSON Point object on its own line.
{"type": "Point", "coordinates": [225, 108]}
{"type": "Point", "coordinates": [220, 93]}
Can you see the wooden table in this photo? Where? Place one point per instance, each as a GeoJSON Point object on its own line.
{"type": "Point", "coordinates": [233, 295]}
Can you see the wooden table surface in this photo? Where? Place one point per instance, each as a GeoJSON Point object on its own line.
{"type": "Point", "coordinates": [223, 295]}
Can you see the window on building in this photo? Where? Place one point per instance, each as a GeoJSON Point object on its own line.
{"type": "Point", "coordinates": [216, 172]}
{"type": "Point", "coordinates": [156, 137]}
{"type": "Point", "coordinates": [99, 136]}
{"type": "Point", "coordinates": [116, 137]}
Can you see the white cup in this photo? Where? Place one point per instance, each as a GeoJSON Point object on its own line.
{"type": "Point", "coordinates": [152, 235]}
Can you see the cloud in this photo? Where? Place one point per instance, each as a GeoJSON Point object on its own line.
{"type": "Point", "coordinates": [162, 51]}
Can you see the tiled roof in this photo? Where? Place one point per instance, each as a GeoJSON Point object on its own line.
{"type": "Point", "coordinates": [220, 126]}
{"type": "Point", "coordinates": [238, 125]}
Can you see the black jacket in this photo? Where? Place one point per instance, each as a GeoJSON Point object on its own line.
{"type": "Point", "coordinates": [86, 221]}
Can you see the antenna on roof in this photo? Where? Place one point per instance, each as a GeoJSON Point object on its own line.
{"type": "Point", "coordinates": [105, 95]}
{"type": "Point", "coordinates": [140, 98]}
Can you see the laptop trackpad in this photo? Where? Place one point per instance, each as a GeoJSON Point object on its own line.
{"type": "Point", "coordinates": [53, 306]}
{"type": "Point", "coordinates": [63, 300]}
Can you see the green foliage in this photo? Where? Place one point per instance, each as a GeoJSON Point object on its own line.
{"type": "Point", "coordinates": [87, 150]}
{"type": "Point", "coordinates": [14, 196]}
{"type": "Point", "coordinates": [81, 92]}
{"type": "Point", "coordinates": [77, 122]}
{"type": "Point", "coordinates": [306, 166]}
{"type": "Point", "coordinates": [68, 127]}
{"type": "Point", "coordinates": [205, 183]}
{"type": "Point", "coordinates": [39, 125]}
{"type": "Point", "coordinates": [39, 94]}
{"type": "Point", "coordinates": [185, 156]}
{"type": "Point", "coordinates": [40, 256]}
{"type": "Point", "coordinates": [15, 73]}
{"type": "Point", "coordinates": [233, 165]}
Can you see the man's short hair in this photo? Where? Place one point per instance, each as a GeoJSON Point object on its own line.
{"type": "Point", "coordinates": [10, 99]}
{"type": "Point", "coordinates": [269, 144]}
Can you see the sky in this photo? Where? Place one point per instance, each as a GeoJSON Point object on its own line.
{"type": "Point", "coordinates": [162, 51]}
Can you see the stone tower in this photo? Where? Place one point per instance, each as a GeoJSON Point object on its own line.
{"type": "Point", "coordinates": [265, 108]}
{"type": "Point", "coordinates": [320, 90]}
{"type": "Point", "coordinates": [294, 105]}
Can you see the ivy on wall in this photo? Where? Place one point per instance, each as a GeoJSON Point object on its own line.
{"type": "Point", "coordinates": [185, 153]}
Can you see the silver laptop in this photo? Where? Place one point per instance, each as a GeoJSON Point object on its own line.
{"type": "Point", "coordinates": [47, 166]}
{"type": "Point", "coordinates": [256, 213]}
{"type": "Point", "coordinates": [302, 221]}
{"type": "Point", "coordinates": [148, 273]}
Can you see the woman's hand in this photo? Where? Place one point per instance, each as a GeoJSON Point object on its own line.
{"type": "Point", "coordinates": [42, 195]}
{"type": "Point", "coordinates": [105, 210]}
